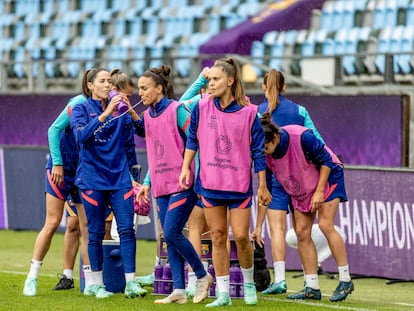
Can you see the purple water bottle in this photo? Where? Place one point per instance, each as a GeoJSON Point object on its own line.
{"type": "Point", "coordinates": [158, 272]}
{"type": "Point", "coordinates": [166, 283]}
{"type": "Point", "coordinates": [239, 287]}
{"type": "Point", "coordinates": [234, 280]}
{"type": "Point", "coordinates": [213, 274]}
{"type": "Point", "coordinates": [122, 106]}
{"type": "Point", "coordinates": [186, 274]}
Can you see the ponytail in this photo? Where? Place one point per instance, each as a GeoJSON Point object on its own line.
{"type": "Point", "coordinates": [274, 81]}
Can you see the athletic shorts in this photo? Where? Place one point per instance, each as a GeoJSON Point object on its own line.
{"type": "Point", "coordinates": [68, 191]}
{"type": "Point", "coordinates": [199, 202]}
{"type": "Point", "coordinates": [230, 203]}
{"type": "Point", "coordinates": [336, 189]}
{"type": "Point", "coordinates": [280, 198]}
{"type": "Point", "coordinates": [70, 208]}
{"type": "Point", "coordinates": [72, 211]}
{"type": "Point", "coordinates": [336, 182]}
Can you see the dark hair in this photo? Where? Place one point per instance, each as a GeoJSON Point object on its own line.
{"type": "Point", "coordinates": [90, 76]}
{"type": "Point", "coordinates": [274, 81]}
{"type": "Point", "coordinates": [269, 127]}
{"type": "Point", "coordinates": [120, 80]}
{"type": "Point", "coordinates": [231, 68]}
{"type": "Point", "coordinates": [161, 76]}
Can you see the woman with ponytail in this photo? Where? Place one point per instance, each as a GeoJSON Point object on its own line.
{"type": "Point", "coordinates": [165, 125]}
{"type": "Point", "coordinates": [106, 163]}
{"type": "Point", "coordinates": [227, 133]}
{"type": "Point", "coordinates": [283, 112]}
{"type": "Point", "coordinates": [313, 177]}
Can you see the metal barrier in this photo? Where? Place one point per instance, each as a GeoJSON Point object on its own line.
{"type": "Point", "coordinates": [35, 79]}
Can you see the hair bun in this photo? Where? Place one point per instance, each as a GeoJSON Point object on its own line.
{"type": "Point", "coordinates": [266, 118]}
{"type": "Point", "coordinates": [165, 70]}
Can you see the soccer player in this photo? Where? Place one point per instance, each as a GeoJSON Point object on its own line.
{"type": "Point", "coordinates": [313, 176]}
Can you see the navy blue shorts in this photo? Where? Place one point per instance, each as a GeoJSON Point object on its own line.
{"type": "Point", "coordinates": [68, 192]}
{"type": "Point", "coordinates": [230, 203]}
{"type": "Point", "coordinates": [280, 198]}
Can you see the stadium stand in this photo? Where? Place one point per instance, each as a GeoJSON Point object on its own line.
{"type": "Point", "coordinates": [372, 40]}
{"type": "Point", "coordinates": [76, 33]}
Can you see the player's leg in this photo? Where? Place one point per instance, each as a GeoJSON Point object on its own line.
{"type": "Point", "coordinates": [217, 221]}
{"type": "Point", "coordinates": [308, 256]}
{"type": "Point", "coordinates": [326, 216]}
{"type": "Point", "coordinates": [94, 205]}
{"type": "Point", "coordinates": [123, 208]}
{"type": "Point", "coordinates": [240, 222]}
{"type": "Point", "coordinates": [277, 222]}
{"type": "Point", "coordinates": [196, 227]}
{"type": "Point", "coordinates": [54, 212]}
{"type": "Point", "coordinates": [70, 247]}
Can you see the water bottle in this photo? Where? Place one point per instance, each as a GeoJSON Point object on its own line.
{"type": "Point", "coordinates": [234, 280]}
{"type": "Point", "coordinates": [239, 287]}
{"type": "Point", "coordinates": [213, 274]}
{"type": "Point", "coordinates": [166, 283]}
{"type": "Point", "coordinates": [158, 272]}
{"type": "Point", "coordinates": [186, 274]}
{"type": "Point", "coordinates": [122, 106]}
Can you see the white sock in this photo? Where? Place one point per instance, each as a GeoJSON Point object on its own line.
{"type": "Point", "coordinates": [129, 277]}
{"type": "Point", "coordinates": [96, 278]}
{"type": "Point", "coordinates": [223, 284]}
{"type": "Point", "coordinates": [34, 269]}
{"type": "Point", "coordinates": [248, 275]}
{"type": "Point", "coordinates": [279, 268]}
{"type": "Point", "coordinates": [312, 281]}
{"type": "Point", "coordinates": [99, 277]}
{"type": "Point", "coordinates": [87, 274]}
{"type": "Point", "coordinates": [157, 260]}
{"type": "Point", "coordinates": [68, 273]}
{"type": "Point", "coordinates": [191, 279]}
{"type": "Point", "coordinates": [344, 273]}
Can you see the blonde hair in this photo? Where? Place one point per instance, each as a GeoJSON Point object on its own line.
{"type": "Point", "coordinates": [274, 81]}
{"type": "Point", "coordinates": [120, 80]}
{"type": "Point", "coordinates": [231, 68]}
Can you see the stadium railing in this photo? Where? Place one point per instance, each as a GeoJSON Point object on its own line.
{"type": "Point", "coordinates": [36, 75]}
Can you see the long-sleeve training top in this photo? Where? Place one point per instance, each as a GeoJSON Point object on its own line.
{"type": "Point", "coordinates": [107, 150]}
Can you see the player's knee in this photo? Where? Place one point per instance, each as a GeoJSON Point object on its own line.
{"type": "Point", "coordinates": [242, 241]}
{"type": "Point", "coordinates": [72, 225]}
{"type": "Point", "coordinates": [326, 228]}
{"type": "Point", "coordinates": [219, 238]}
{"type": "Point", "coordinates": [303, 234]}
{"type": "Point", "coordinates": [51, 225]}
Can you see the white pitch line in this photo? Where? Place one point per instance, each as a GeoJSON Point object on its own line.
{"type": "Point", "coordinates": [405, 304]}
{"type": "Point", "coordinates": [307, 302]}
{"type": "Point", "coordinates": [24, 273]}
